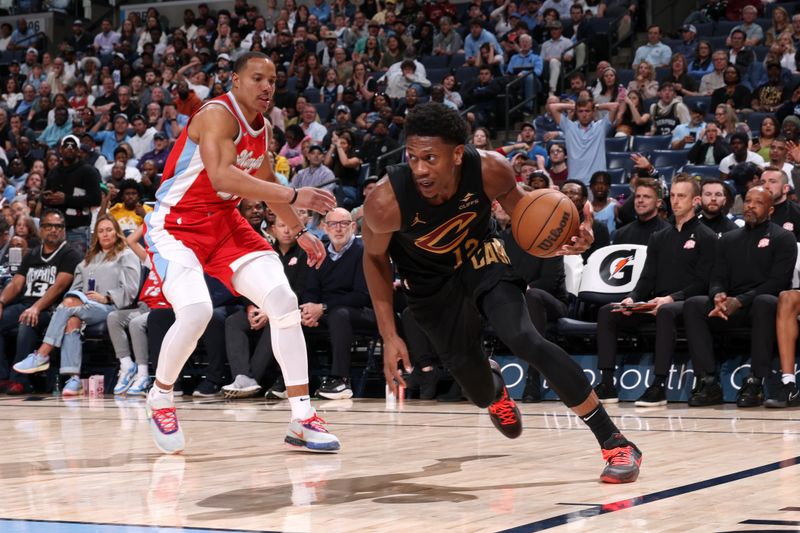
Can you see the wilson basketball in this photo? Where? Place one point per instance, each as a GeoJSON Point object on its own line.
{"type": "Point", "coordinates": [543, 221]}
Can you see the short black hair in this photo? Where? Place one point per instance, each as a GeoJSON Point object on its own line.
{"type": "Point", "coordinates": [433, 119]}
{"type": "Point", "coordinates": [241, 61]}
{"type": "Point", "coordinates": [600, 174]}
{"type": "Point", "coordinates": [54, 212]}
{"type": "Point", "coordinates": [579, 183]}
{"type": "Point", "coordinates": [129, 184]}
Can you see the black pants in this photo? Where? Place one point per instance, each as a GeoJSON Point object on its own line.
{"type": "Point", "coordinates": [760, 316]}
{"type": "Point", "coordinates": [339, 323]}
{"type": "Point", "coordinates": [667, 319]}
{"type": "Point", "coordinates": [420, 349]}
{"type": "Point", "coordinates": [452, 320]}
{"type": "Point", "coordinates": [238, 336]}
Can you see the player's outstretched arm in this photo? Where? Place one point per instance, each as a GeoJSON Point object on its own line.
{"type": "Point", "coordinates": [214, 132]}
{"type": "Point", "coordinates": [381, 220]}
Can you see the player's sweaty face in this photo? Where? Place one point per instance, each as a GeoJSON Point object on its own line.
{"type": "Point", "coordinates": [433, 163]}
{"type": "Point", "coordinates": [256, 83]}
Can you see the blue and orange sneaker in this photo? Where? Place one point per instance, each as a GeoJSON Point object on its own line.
{"type": "Point", "coordinates": [622, 459]}
{"type": "Point", "coordinates": [164, 426]}
{"type": "Point", "coordinates": [311, 435]}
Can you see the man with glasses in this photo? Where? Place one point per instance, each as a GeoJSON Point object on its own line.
{"type": "Point", "coordinates": [25, 303]}
{"type": "Point", "coordinates": [74, 187]}
{"type": "Point", "coordinates": [714, 79]}
{"type": "Point", "coordinates": [336, 298]}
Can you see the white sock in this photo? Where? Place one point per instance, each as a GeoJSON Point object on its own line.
{"type": "Point", "coordinates": [142, 371]}
{"type": "Point", "coordinates": [788, 378]}
{"type": "Point", "coordinates": [157, 396]}
{"type": "Point", "coordinates": [125, 363]}
{"type": "Point", "coordinates": [301, 407]}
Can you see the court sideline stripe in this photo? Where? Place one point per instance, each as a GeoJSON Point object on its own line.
{"type": "Point", "coordinates": [190, 406]}
{"type": "Point", "coordinates": [126, 527]}
{"type": "Point", "coordinates": [560, 520]}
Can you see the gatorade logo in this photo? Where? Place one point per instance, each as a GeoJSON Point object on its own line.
{"type": "Point", "coordinates": [617, 268]}
{"type": "Point", "coordinates": [555, 233]}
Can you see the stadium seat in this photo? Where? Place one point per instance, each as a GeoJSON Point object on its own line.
{"type": "Point", "coordinates": [457, 60]}
{"type": "Point", "coordinates": [323, 110]}
{"type": "Point", "coordinates": [617, 144]}
{"type": "Point", "coordinates": [312, 94]}
{"type": "Point", "coordinates": [620, 191]}
{"type": "Point", "coordinates": [619, 160]}
{"type": "Point", "coordinates": [717, 43]}
{"type": "Point", "coordinates": [431, 62]}
{"type": "Point", "coordinates": [667, 172]}
{"type": "Point", "coordinates": [436, 75]}
{"type": "Point", "coordinates": [692, 100]}
{"type": "Point", "coordinates": [761, 52]}
{"type": "Point", "coordinates": [706, 29]}
{"type": "Point", "coordinates": [754, 120]}
{"type": "Point", "coordinates": [611, 272]}
{"type": "Point", "coordinates": [642, 143]}
{"type": "Point", "coordinates": [617, 176]}
{"type": "Point", "coordinates": [722, 28]}
{"type": "Point", "coordinates": [704, 171]}
{"type": "Point", "coordinates": [466, 73]}
{"type": "Point", "coordinates": [625, 76]}
{"type": "Point", "coordinates": [673, 158]}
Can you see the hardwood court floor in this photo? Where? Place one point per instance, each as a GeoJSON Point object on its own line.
{"type": "Point", "coordinates": [422, 467]}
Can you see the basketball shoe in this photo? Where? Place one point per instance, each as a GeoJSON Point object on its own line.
{"type": "Point", "coordinates": [622, 459]}
{"type": "Point", "coordinates": [164, 427]}
{"type": "Point", "coordinates": [311, 435]}
{"type": "Point", "coordinates": [786, 396]}
{"type": "Point", "coordinates": [504, 412]}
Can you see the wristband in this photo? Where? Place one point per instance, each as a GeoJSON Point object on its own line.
{"type": "Point", "coordinates": [300, 233]}
{"type": "Point", "coordinates": [293, 200]}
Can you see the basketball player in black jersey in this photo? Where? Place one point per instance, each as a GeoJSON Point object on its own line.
{"type": "Point", "coordinates": [432, 217]}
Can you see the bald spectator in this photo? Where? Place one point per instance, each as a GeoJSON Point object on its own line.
{"type": "Point", "coordinates": [754, 33]}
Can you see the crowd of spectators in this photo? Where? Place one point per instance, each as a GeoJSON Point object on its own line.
{"type": "Point", "coordinates": [86, 128]}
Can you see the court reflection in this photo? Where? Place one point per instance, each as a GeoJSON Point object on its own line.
{"type": "Point", "coordinates": [311, 485]}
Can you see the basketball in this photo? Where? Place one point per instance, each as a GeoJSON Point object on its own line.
{"type": "Point", "coordinates": [543, 221]}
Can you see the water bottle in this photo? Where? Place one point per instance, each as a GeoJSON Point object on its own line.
{"type": "Point", "coordinates": [14, 259]}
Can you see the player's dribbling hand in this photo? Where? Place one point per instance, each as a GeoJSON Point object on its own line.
{"type": "Point", "coordinates": [315, 199]}
{"type": "Point", "coordinates": [585, 237]}
{"type": "Point", "coordinates": [395, 351]}
{"type": "Point", "coordinates": [313, 248]}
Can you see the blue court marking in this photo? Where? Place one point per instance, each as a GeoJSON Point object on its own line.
{"type": "Point", "coordinates": [11, 525]}
{"type": "Point", "coordinates": [620, 505]}
{"type": "Point", "coordinates": [756, 522]}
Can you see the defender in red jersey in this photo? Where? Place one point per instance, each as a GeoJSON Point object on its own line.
{"type": "Point", "coordinates": [220, 157]}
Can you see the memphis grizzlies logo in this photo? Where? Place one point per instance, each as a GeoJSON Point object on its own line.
{"type": "Point", "coordinates": [617, 269]}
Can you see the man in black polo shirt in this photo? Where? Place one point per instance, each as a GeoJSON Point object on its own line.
{"type": "Point", "coordinates": [42, 279]}
{"type": "Point", "coordinates": [678, 266]}
{"type": "Point", "coordinates": [786, 213]}
{"type": "Point", "coordinates": [713, 203]}
{"type": "Point", "coordinates": [752, 266]}
{"type": "Point", "coordinates": [647, 200]}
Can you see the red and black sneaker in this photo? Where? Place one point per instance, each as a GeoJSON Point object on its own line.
{"type": "Point", "coordinates": [622, 460]}
{"type": "Point", "coordinates": [505, 416]}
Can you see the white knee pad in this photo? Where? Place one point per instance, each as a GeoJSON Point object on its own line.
{"type": "Point", "coordinates": [289, 320]}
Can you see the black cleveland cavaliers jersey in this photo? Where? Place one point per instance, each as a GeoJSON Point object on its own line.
{"type": "Point", "coordinates": [433, 242]}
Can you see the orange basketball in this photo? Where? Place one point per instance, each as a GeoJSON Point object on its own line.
{"type": "Point", "coordinates": [543, 221]}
